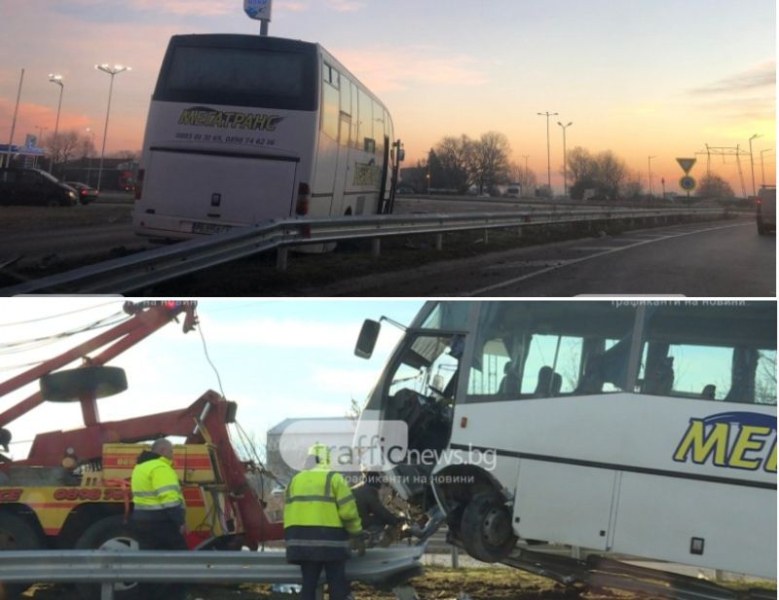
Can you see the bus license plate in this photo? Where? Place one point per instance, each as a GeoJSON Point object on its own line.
{"type": "Point", "coordinates": [209, 228]}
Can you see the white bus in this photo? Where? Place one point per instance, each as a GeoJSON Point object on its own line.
{"type": "Point", "coordinates": [640, 429]}
{"type": "Point", "coordinates": [243, 129]}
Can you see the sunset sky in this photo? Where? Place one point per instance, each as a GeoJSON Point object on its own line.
{"type": "Point", "coordinates": [641, 78]}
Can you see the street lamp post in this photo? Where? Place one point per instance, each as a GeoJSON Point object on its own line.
{"type": "Point", "coordinates": [56, 80]}
{"type": "Point", "coordinates": [752, 164]}
{"type": "Point", "coordinates": [112, 71]}
{"type": "Point", "coordinates": [649, 172]}
{"type": "Point", "coordinates": [565, 164]}
{"type": "Point", "coordinates": [548, 152]}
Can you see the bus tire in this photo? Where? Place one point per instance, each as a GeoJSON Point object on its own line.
{"type": "Point", "coordinates": [485, 528]}
{"type": "Point", "coordinates": [110, 533]}
{"type": "Point", "coordinates": [17, 534]}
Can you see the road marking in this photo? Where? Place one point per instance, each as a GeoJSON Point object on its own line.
{"type": "Point", "coordinates": [574, 261]}
{"type": "Point", "coordinates": [527, 263]}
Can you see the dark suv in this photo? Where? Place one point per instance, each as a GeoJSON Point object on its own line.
{"type": "Point", "coordinates": [766, 209]}
{"type": "Point", "coordinates": [33, 186]}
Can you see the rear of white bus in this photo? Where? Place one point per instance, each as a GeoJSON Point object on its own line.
{"type": "Point", "coordinates": [230, 136]}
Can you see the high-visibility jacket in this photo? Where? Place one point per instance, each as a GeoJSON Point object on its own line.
{"type": "Point", "coordinates": [156, 489]}
{"type": "Point", "coordinates": [319, 516]}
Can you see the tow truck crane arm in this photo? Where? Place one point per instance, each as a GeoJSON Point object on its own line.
{"type": "Point", "coordinates": [147, 317]}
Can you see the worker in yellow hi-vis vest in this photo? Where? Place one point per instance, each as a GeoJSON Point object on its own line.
{"type": "Point", "coordinates": [158, 510]}
{"type": "Point", "coordinates": [320, 517]}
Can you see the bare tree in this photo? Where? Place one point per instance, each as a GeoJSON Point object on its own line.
{"type": "Point", "coordinates": [524, 177]}
{"type": "Point", "coordinates": [489, 165]}
{"type": "Point", "coordinates": [714, 186]}
{"type": "Point", "coordinates": [604, 173]}
{"type": "Point", "coordinates": [66, 146]}
{"type": "Point", "coordinates": [454, 156]}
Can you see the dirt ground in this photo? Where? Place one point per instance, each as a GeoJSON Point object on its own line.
{"type": "Point", "coordinates": [437, 583]}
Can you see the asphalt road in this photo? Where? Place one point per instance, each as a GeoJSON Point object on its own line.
{"type": "Point", "coordinates": [715, 259]}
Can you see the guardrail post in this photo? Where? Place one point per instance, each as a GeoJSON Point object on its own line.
{"type": "Point", "coordinates": [486, 236]}
{"type": "Point", "coordinates": [439, 241]}
{"type": "Point", "coordinates": [375, 247]}
{"type": "Point", "coordinates": [282, 255]}
{"type": "Point", "coordinates": [107, 591]}
{"type": "Point", "coordinates": [405, 592]}
{"type": "Point", "coordinates": [455, 557]}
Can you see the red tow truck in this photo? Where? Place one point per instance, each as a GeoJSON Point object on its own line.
{"type": "Point", "coordinates": [72, 490]}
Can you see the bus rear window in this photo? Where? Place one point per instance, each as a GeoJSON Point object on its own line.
{"type": "Point", "coordinates": [239, 77]}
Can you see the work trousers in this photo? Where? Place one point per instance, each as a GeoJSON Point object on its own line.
{"type": "Point", "coordinates": [335, 575]}
{"type": "Point", "coordinates": [160, 535]}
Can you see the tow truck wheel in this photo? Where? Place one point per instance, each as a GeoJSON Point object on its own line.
{"type": "Point", "coordinates": [17, 534]}
{"type": "Point", "coordinates": [485, 528]}
{"type": "Point", "coordinates": [109, 533]}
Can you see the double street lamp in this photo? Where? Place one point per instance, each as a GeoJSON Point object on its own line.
{"type": "Point", "coordinates": [565, 164]}
{"type": "Point", "coordinates": [548, 153]}
{"type": "Point", "coordinates": [112, 71]}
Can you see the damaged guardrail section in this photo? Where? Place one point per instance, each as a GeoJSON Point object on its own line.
{"type": "Point", "coordinates": [155, 266]}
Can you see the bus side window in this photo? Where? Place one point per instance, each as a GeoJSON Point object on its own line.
{"type": "Point", "coordinates": [365, 133]}
{"type": "Point", "coordinates": [378, 129]}
{"type": "Point", "coordinates": [330, 101]}
{"type": "Point", "coordinates": [346, 95]}
{"type": "Point", "coordinates": [742, 387]}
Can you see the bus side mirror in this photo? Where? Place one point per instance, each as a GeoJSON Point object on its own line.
{"type": "Point", "coordinates": [366, 342]}
{"type": "Point", "coordinates": [401, 154]}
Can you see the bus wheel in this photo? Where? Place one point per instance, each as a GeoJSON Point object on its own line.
{"type": "Point", "coordinates": [109, 533]}
{"type": "Point", "coordinates": [485, 528]}
{"type": "Point", "coordinates": [17, 534]}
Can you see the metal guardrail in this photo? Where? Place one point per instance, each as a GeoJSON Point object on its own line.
{"type": "Point", "coordinates": [154, 266]}
{"type": "Point", "coordinates": [378, 566]}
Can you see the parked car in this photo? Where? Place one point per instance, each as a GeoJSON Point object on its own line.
{"type": "Point", "coordinates": [766, 209]}
{"type": "Point", "coordinates": [86, 194]}
{"type": "Point", "coordinates": [33, 186]}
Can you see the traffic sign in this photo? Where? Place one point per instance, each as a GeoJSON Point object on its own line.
{"type": "Point", "coordinates": [687, 183]}
{"type": "Point", "coordinates": [257, 9]}
{"type": "Point", "coordinates": [686, 164]}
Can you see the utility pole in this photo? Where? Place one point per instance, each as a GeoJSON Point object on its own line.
{"type": "Point", "coordinates": [548, 152]}
{"type": "Point", "coordinates": [13, 122]}
{"type": "Point", "coordinates": [752, 164]}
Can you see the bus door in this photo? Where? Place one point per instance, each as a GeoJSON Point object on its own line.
{"type": "Point", "coordinates": [218, 190]}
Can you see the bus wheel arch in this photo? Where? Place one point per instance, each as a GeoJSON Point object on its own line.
{"type": "Point", "coordinates": [477, 511]}
{"type": "Point", "coordinates": [486, 529]}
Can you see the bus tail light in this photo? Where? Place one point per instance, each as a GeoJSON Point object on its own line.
{"type": "Point", "coordinates": [139, 184]}
{"type": "Point", "coordinates": [304, 199]}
